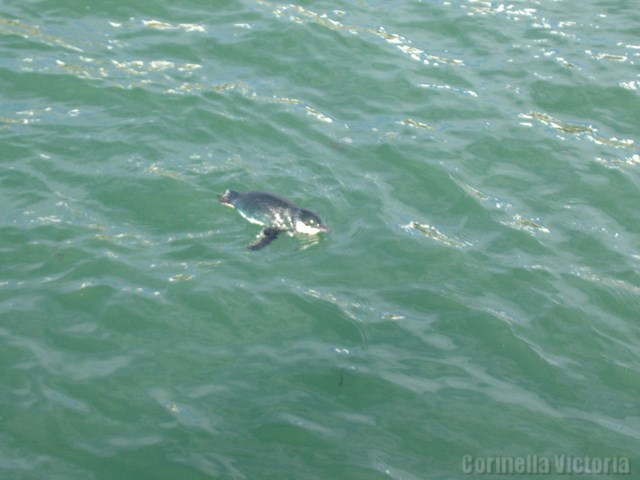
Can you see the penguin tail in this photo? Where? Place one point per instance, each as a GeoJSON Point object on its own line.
{"type": "Point", "coordinates": [228, 197]}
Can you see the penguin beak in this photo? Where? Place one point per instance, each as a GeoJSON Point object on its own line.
{"type": "Point", "coordinates": [323, 228]}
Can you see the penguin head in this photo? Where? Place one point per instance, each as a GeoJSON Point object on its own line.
{"type": "Point", "coordinates": [309, 223]}
{"type": "Point", "coordinates": [228, 197]}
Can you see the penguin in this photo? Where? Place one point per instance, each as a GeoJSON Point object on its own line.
{"type": "Point", "coordinates": [276, 214]}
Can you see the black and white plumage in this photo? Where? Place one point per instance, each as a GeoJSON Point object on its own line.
{"type": "Point", "coordinates": [275, 213]}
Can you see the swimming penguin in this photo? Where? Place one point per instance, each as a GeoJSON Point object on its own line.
{"type": "Point", "coordinates": [275, 213]}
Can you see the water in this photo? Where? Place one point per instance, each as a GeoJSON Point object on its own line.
{"type": "Point", "coordinates": [476, 299]}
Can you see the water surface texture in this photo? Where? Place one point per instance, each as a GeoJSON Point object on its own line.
{"type": "Point", "coordinates": [478, 164]}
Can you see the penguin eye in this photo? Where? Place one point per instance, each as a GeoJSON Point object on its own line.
{"type": "Point", "coordinates": [311, 222]}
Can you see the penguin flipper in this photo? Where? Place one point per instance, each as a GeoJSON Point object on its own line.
{"type": "Point", "coordinates": [268, 235]}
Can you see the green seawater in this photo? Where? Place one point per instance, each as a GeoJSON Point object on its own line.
{"type": "Point", "coordinates": [473, 313]}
